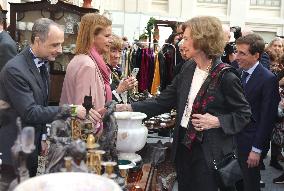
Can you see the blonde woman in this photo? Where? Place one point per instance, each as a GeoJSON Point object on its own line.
{"type": "Point", "coordinates": [211, 106]}
{"type": "Point", "coordinates": [119, 85]}
{"type": "Point", "coordinates": [87, 72]}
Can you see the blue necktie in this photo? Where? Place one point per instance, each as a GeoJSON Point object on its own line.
{"type": "Point", "coordinates": [44, 76]}
{"type": "Point", "coordinates": [244, 77]}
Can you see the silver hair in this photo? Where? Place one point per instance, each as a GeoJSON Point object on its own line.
{"type": "Point", "coordinates": [41, 28]}
{"type": "Point", "coordinates": [274, 40]}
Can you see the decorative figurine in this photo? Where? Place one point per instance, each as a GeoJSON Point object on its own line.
{"type": "Point", "coordinates": [107, 140]}
{"type": "Point", "coordinates": [94, 160]}
{"type": "Point", "coordinates": [75, 125]}
{"type": "Point", "coordinates": [87, 127]}
{"type": "Point", "coordinates": [109, 169]}
{"type": "Point", "coordinates": [60, 138]}
{"type": "Point", "coordinates": [88, 103]}
{"type": "Point", "coordinates": [24, 145]}
{"type": "Point", "coordinates": [77, 150]}
{"type": "Point", "coordinates": [69, 26]}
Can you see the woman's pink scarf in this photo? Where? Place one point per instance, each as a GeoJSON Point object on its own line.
{"type": "Point", "coordinates": [105, 71]}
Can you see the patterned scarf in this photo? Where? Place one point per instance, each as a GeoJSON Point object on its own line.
{"type": "Point", "coordinates": [205, 95]}
{"type": "Point", "coordinates": [105, 71]}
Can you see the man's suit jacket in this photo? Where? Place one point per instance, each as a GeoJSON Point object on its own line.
{"type": "Point", "coordinates": [22, 87]}
{"type": "Point", "coordinates": [8, 48]}
{"type": "Point", "coordinates": [265, 60]}
{"type": "Point", "coordinates": [230, 106]}
{"type": "Point", "coordinates": [262, 93]}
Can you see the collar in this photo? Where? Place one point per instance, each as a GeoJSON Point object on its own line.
{"type": "Point", "coordinates": [250, 71]}
{"type": "Point", "coordinates": [38, 61]}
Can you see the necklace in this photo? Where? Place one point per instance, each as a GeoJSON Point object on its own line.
{"type": "Point", "coordinates": [209, 67]}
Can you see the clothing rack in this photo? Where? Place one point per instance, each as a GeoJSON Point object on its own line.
{"type": "Point", "coordinates": [169, 57]}
{"type": "Point", "coordinates": [163, 45]}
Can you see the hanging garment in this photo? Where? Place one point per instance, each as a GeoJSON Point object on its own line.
{"type": "Point", "coordinates": [156, 79]}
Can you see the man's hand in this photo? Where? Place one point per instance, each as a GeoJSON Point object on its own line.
{"type": "Point", "coordinates": [44, 148]}
{"type": "Point", "coordinates": [253, 159]}
{"type": "Point", "coordinates": [94, 115]}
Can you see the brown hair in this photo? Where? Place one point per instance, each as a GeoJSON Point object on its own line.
{"type": "Point", "coordinates": [41, 28]}
{"type": "Point", "coordinates": [255, 42]}
{"type": "Point", "coordinates": [275, 40]}
{"type": "Point", "coordinates": [117, 42]}
{"type": "Point", "coordinates": [281, 61]}
{"type": "Point", "coordinates": [273, 55]}
{"type": "Point", "coordinates": [207, 35]}
{"type": "Point", "coordinates": [91, 24]}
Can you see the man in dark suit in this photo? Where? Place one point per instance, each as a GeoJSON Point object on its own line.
{"type": "Point", "coordinates": [261, 91]}
{"type": "Point", "coordinates": [8, 47]}
{"type": "Point", "coordinates": [24, 86]}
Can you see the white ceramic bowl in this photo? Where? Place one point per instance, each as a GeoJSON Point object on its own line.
{"type": "Point", "coordinates": [71, 181]}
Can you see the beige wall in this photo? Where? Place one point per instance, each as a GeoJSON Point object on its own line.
{"type": "Point", "coordinates": [268, 20]}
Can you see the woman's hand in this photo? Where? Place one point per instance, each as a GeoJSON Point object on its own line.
{"type": "Point", "coordinates": [126, 84]}
{"type": "Point", "coordinates": [123, 107]}
{"type": "Point", "coordinates": [204, 122]}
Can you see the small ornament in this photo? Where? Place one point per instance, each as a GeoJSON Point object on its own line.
{"type": "Point", "coordinates": [69, 26]}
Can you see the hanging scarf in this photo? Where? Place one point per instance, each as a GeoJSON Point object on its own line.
{"type": "Point", "coordinates": [205, 95]}
{"type": "Point", "coordinates": [105, 71]}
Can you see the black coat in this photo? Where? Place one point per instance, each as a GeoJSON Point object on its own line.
{"type": "Point", "coordinates": [8, 48]}
{"type": "Point", "coordinates": [230, 106]}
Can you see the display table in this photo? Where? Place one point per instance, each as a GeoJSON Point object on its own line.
{"type": "Point", "coordinates": [141, 182]}
{"type": "Point", "coordinates": [164, 174]}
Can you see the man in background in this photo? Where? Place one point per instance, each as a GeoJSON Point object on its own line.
{"type": "Point", "coordinates": [261, 91]}
{"type": "Point", "coordinates": [183, 59]}
{"type": "Point", "coordinates": [8, 47]}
